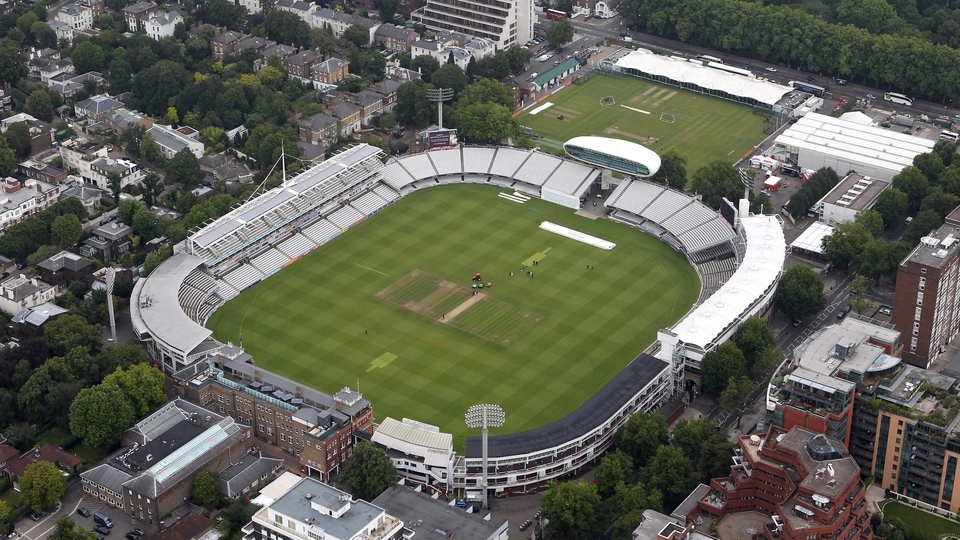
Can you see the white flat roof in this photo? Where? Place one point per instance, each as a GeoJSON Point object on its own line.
{"type": "Point", "coordinates": [434, 447]}
{"type": "Point", "coordinates": [157, 304]}
{"type": "Point", "coordinates": [684, 71]}
{"type": "Point", "coordinates": [854, 142]}
{"type": "Point", "coordinates": [811, 239]}
{"type": "Point", "coordinates": [759, 270]}
{"type": "Point", "coordinates": [276, 489]}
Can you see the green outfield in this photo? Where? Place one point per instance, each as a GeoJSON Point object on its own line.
{"type": "Point", "coordinates": [392, 302]}
{"type": "Point", "coordinates": [703, 128]}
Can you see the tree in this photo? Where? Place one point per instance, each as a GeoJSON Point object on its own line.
{"type": "Point", "coordinates": [100, 414]}
{"type": "Point", "coordinates": [924, 222]}
{"type": "Point", "coordinates": [892, 203]}
{"type": "Point", "coordinates": [450, 76]}
{"type": "Point", "coordinates": [412, 105]}
{"type": "Point", "coordinates": [872, 220]}
{"type": "Point", "coordinates": [224, 13]}
{"type": "Point", "coordinates": [66, 231]}
{"type": "Point", "coordinates": [641, 435]}
{"type": "Point", "coordinates": [149, 149]}
{"type": "Point", "coordinates": [947, 151]}
{"type": "Point", "coordinates": [5, 511]}
{"type": "Point", "coordinates": [40, 105]}
{"type": "Point", "coordinates": [615, 468]}
{"type": "Point", "coordinates": [368, 472]}
{"type": "Point", "coordinates": [8, 158]}
{"type": "Point", "coordinates": [388, 9]}
{"type": "Point", "coordinates": [157, 84]}
{"type": "Point", "coordinates": [41, 486]}
{"type": "Point", "coordinates": [858, 290]}
{"type": "Point", "coordinates": [574, 509]}
{"type": "Point", "coordinates": [357, 35]}
{"type": "Point", "coordinates": [142, 384]}
{"type": "Point", "coordinates": [286, 27]}
{"type": "Point", "coordinates": [115, 183]}
{"type": "Point", "coordinates": [881, 258]}
{"type": "Point", "coordinates": [845, 243]}
{"type": "Point", "coordinates": [719, 365]}
{"type": "Point", "coordinates": [487, 91]}
{"type": "Point", "coordinates": [627, 506]}
{"type": "Point", "coordinates": [68, 529]}
{"type": "Point", "coordinates": [940, 202]}
{"type": "Point", "coordinates": [931, 165]}
{"type": "Point", "coordinates": [426, 65]}
{"type": "Point", "coordinates": [21, 436]}
{"type": "Point", "coordinates": [69, 331]}
{"type": "Point", "coordinates": [127, 209]}
{"type": "Point", "coordinates": [152, 187]}
{"type": "Point", "coordinates": [184, 169]}
{"type": "Point", "coordinates": [13, 63]}
{"type": "Point", "coordinates": [486, 122]}
{"type": "Point", "coordinates": [145, 224]}
{"type": "Point", "coordinates": [673, 169]}
{"type": "Point", "coordinates": [912, 182]}
{"type": "Point", "coordinates": [689, 435]}
{"type": "Point", "coordinates": [670, 473]}
{"type": "Point", "coordinates": [801, 292]}
{"type": "Point", "coordinates": [716, 180]}
{"type": "Point", "coordinates": [715, 456]}
{"type": "Point", "coordinates": [87, 56]}
{"type": "Point", "coordinates": [734, 397]}
{"type": "Point", "coordinates": [560, 33]}
{"type": "Point", "coordinates": [18, 137]}
{"type": "Point", "coordinates": [754, 339]}
{"type": "Point", "coordinates": [204, 491]}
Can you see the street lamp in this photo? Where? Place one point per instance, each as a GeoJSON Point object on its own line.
{"type": "Point", "coordinates": [484, 416]}
{"type": "Point", "coordinates": [438, 96]}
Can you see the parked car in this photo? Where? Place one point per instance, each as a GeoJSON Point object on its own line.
{"type": "Point", "coordinates": [871, 96]}
{"type": "Point", "coordinates": [771, 69]}
{"type": "Point", "coordinates": [796, 322]}
{"type": "Point", "coordinates": [101, 530]}
{"type": "Point", "coordinates": [886, 311]}
{"type": "Point", "coordinates": [138, 531]}
{"type": "Point", "coordinates": [843, 312]}
{"type": "Point", "coordinates": [811, 79]}
{"type": "Point", "coordinates": [33, 516]}
{"type": "Point", "coordinates": [83, 512]}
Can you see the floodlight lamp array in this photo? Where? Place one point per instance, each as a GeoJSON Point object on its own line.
{"type": "Point", "coordinates": [484, 415]}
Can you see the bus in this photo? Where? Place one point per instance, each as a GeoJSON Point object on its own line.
{"type": "Point", "coordinates": [949, 136]}
{"type": "Point", "coordinates": [807, 87]}
{"type": "Point", "coordinates": [708, 58]}
{"type": "Point", "coordinates": [899, 99]}
{"type": "Point", "coordinates": [555, 14]}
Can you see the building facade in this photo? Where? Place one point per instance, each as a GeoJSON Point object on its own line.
{"type": "Point", "coordinates": [22, 200]}
{"type": "Point", "coordinates": [503, 22]}
{"type": "Point", "coordinates": [22, 291]}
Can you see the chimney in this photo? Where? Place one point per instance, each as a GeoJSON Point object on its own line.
{"type": "Point", "coordinates": [39, 188]}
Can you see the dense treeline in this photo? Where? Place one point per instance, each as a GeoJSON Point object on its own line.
{"type": "Point", "coordinates": [789, 36]}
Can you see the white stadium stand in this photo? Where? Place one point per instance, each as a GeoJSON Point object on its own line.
{"type": "Point", "coordinates": [507, 161]}
{"type": "Point", "coordinates": [243, 277]}
{"type": "Point", "coordinates": [345, 217]}
{"type": "Point", "coordinates": [396, 176]}
{"type": "Point", "coordinates": [477, 160]}
{"type": "Point", "coordinates": [296, 246]}
{"type": "Point", "coordinates": [386, 192]}
{"type": "Point", "coordinates": [321, 232]}
{"type": "Point", "coordinates": [537, 168]}
{"type": "Point", "coordinates": [368, 203]}
{"type": "Point", "coordinates": [571, 178]}
{"type": "Point", "coordinates": [447, 161]}
{"type": "Point", "coordinates": [269, 261]}
{"type": "Point", "coordinates": [634, 197]}
{"type": "Point", "coordinates": [666, 205]}
{"type": "Point", "coordinates": [419, 166]}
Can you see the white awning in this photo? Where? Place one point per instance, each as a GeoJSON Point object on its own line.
{"type": "Point", "coordinates": [803, 510]}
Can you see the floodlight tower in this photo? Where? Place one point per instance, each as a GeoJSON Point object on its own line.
{"type": "Point", "coordinates": [438, 96]}
{"type": "Point", "coordinates": [111, 277]}
{"type": "Point", "coordinates": [484, 416]}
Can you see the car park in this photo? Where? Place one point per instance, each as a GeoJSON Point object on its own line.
{"type": "Point", "coordinates": [83, 512]}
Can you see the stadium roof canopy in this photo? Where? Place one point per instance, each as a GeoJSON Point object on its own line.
{"type": "Point", "coordinates": [852, 142]}
{"type": "Point", "coordinates": [811, 240]}
{"type": "Point", "coordinates": [616, 154]}
{"type": "Point", "coordinates": [159, 304]}
{"type": "Point", "coordinates": [684, 71]}
{"type": "Point", "coordinates": [597, 410]}
{"type": "Point", "coordinates": [760, 270]}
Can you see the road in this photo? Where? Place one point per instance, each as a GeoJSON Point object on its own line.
{"type": "Point", "coordinates": [598, 29]}
{"type": "Point", "coordinates": [39, 530]}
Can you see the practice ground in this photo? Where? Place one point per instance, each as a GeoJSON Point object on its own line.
{"type": "Point", "coordinates": [704, 128]}
{"type": "Point", "coordinates": [391, 302]}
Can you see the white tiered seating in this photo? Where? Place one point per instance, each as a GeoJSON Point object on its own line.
{"type": "Point", "coordinates": [447, 161]}
{"type": "Point", "coordinates": [507, 161]}
{"type": "Point", "coordinates": [386, 192]}
{"type": "Point", "coordinates": [538, 168]}
{"type": "Point", "coordinates": [396, 176]}
{"type": "Point", "coordinates": [691, 216]}
{"type": "Point", "coordinates": [345, 217]}
{"type": "Point", "coordinates": [710, 233]}
{"type": "Point", "coordinates": [321, 232]}
{"type": "Point", "coordinates": [477, 160]}
{"type": "Point", "coordinates": [368, 203]}
{"type": "Point", "coordinates": [634, 196]}
{"type": "Point", "coordinates": [419, 166]}
{"type": "Point", "coordinates": [667, 204]}
{"type": "Point", "coordinates": [269, 261]}
{"type": "Point", "coordinates": [243, 277]}
{"type": "Point", "coordinates": [296, 246]}
{"type": "Point", "coordinates": [571, 178]}
{"type": "Point", "coordinates": [721, 250]}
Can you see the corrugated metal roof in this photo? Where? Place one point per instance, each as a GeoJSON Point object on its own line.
{"type": "Point", "coordinates": [415, 435]}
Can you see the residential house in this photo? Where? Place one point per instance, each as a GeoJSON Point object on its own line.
{"type": "Point", "coordinates": [350, 116]}
{"type": "Point", "coordinates": [172, 141]}
{"type": "Point", "coordinates": [49, 453]}
{"type": "Point", "coordinates": [329, 72]}
{"type": "Point", "coordinates": [253, 6]}
{"type": "Point", "coordinates": [153, 472]}
{"type": "Point", "coordinates": [332, 96]}
{"type": "Point", "coordinates": [162, 24]}
{"type": "Point", "coordinates": [39, 170]}
{"type": "Point", "coordinates": [63, 30]}
{"type": "Point", "coordinates": [371, 106]}
{"type": "Point", "coordinates": [130, 172]}
{"type": "Point", "coordinates": [312, 153]}
{"type": "Point", "coordinates": [234, 172]}
{"type": "Point", "coordinates": [248, 474]}
{"type": "Point", "coordinates": [224, 44]}
{"type": "Point", "coordinates": [64, 268]}
{"type": "Point", "coordinates": [79, 153]}
{"type": "Point", "coordinates": [96, 108]}
{"type": "Point", "coordinates": [75, 16]}
{"type": "Point", "coordinates": [6, 99]}
{"type": "Point", "coordinates": [108, 241]}
{"type": "Point", "coordinates": [67, 84]}
{"type": "Point", "coordinates": [89, 195]}
{"type": "Point", "coordinates": [301, 9]}
{"type": "Point", "coordinates": [209, 162]}
{"type": "Point", "coordinates": [339, 22]}
{"type": "Point", "coordinates": [320, 129]}
{"type": "Point", "coordinates": [480, 48]}
{"type": "Point", "coordinates": [387, 90]}
{"type": "Point", "coordinates": [7, 6]}
{"type": "Point", "coordinates": [298, 65]}
{"type": "Point", "coordinates": [279, 50]}
{"type": "Point", "coordinates": [41, 133]}
{"type": "Point", "coordinates": [251, 42]}
{"type": "Point", "coordinates": [123, 119]}
{"type": "Point", "coordinates": [95, 6]}
{"type": "Point", "coordinates": [48, 68]}
{"type": "Point", "coordinates": [24, 290]}
{"type": "Point", "coordinates": [29, 323]}
{"type": "Point", "coordinates": [312, 507]}
{"type": "Point", "coordinates": [136, 15]}
{"type": "Point", "coordinates": [396, 38]}
{"type": "Point", "coordinates": [397, 73]}
{"type": "Point", "coordinates": [20, 201]}
{"type": "Point", "coordinates": [239, 131]}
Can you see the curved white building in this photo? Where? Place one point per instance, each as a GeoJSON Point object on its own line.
{"type": "Point", "coordinates": [614, 154]}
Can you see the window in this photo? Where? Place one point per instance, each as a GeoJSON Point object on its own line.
{"type": "Point", "coordinates": [898, 438]}
{"type": "Point", "coordinates": [923, 270]}
{"type": "Point", "coordinates": [899, 432]}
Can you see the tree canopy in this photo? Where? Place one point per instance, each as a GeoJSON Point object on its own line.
{"type": "Point", "coordinates": [845, 243]}
{"type": "Point", "coordinates": [100, 414]}
{"type": "Point", "coordinates": [673, 169]}
{"type": "Point", "coordinates": [716, 180]}
{"type": "Point", "coordinates": [204, 492]}
{"type": "Point", "coordinates": [41, 486]}
{"type": "Point", "coordinates": [560, 33]}
{"type": "Point", "coordinates": [640, 437]}
{"type": "Point", "coordinates": [891, 203]}
{"type": "Point", "coordinates": [574, 509]}
{"type": "Point", "coordinates": [670, 473]}
{"type": "Point", "coordinates": [801, 292]}
{"type": "Point", "coordinates": [368, 472]}
{"type": "Point", "coordinates": [719, 365]}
